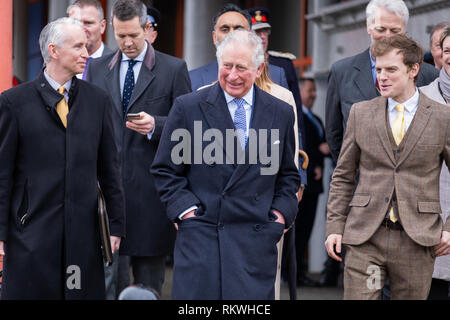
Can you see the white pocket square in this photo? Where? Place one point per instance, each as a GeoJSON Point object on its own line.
{"type": "Point", "coordinates": [277, 142]}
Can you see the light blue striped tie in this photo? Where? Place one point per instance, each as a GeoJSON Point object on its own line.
{"type": "Point", "coordinates": [240, 121]}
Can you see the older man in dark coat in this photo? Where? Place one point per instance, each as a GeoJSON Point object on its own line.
{"type": "Point", "coordinates": [57, 141]}
{"type": "Point", "coordinates": [231, 213]}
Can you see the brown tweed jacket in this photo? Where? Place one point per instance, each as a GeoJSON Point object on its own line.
{"type": "Point", "coordinates": [356, 210]}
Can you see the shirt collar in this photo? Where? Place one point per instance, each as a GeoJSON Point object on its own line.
{"type": "Point", "coordinates": [55, 85]}
{"type": "Point", "coordinates": [409, 104]}
{"type": "Point", "coordinates": [248, 98]}
{"type": "Point", "coordinates": [98, 52]}
{"type": "Point", "coordinates": [140, 57]}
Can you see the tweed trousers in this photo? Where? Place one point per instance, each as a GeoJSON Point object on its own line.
{"type": "Point", "coordinates": [388, 253]}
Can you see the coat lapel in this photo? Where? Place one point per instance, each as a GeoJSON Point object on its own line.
{"type": "Point", "coordinates": [112, 81]}
{"type": "Point", "coordinates": [364, 80]}
{"type": "Point", "coordinates": [379, 117]}
{"type": "Point", "coordinates": [217, 115]}
{"type": "Point", "coordinates": [417, 127]}
{"type": "Point", "coordinates": [145, 77]}
{"type": "Point", "coordinates": [50, 97]}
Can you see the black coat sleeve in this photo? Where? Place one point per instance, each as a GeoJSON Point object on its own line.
{"type": "Point", "coordinates": [170, 179]}
{"type": "Point", "coordinates": [109, 174]}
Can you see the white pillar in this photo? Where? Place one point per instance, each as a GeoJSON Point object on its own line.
{"type": "Point", "coordinates": [198, 45]}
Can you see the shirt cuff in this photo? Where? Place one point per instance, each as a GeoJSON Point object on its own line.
{"type": "Point", "coordinates": [150, 134]}
{"type": "Point", "coordinates": [186, 211]}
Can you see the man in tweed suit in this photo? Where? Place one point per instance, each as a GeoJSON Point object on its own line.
{"type": "Point", "coordinates": [390, 224]}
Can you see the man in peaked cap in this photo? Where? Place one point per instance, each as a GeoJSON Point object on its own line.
{"type": "Point", "coordinates": [153, 17]}
{"type": "Point", "coordinates": [261, 25]}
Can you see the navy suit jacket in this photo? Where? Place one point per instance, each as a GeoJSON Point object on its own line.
{"type": "Point", "coordinates": [228, 251]}
{"type": "Point", "coordinates": [207, 74]}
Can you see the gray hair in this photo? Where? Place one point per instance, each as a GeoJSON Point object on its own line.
{"type": "Point", "coordinates": [438, 27]}
{"type": "Point", "coordinates": [397, 7]}
{"type": "Point", "coordinates": [55, 33]}
{"type": "Point", "coordinates": [88, 3]}
{"type": "Point", "coordinates": [125, 10]}
{"type": "Point", "coordinates": [243, 38]}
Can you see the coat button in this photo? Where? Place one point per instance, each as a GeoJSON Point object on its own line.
{"type": "Point", "coordinates": [386, 199]}
{"type": "Point", "coordinates": [220, 226]}
{"type": "Point", "coordinates": [257, 227]}
{"type": "Point", "coordinates": [256, 196]}
{"type": "Point", "coordinates": [224, 195]}
{"type": "Point", "coordinates": [397, 170]}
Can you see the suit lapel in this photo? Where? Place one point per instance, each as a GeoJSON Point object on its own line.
{"type": "Point", "coordinates": [145, 77]}
{"type": "Point", "coordinates": [416, 128]}
{"type": "Point", "coordinates": [364, 80]}
{"type": "Point", "coordinates": [379, 117]}
{"type": "Point", "coordinates": [112, 81]}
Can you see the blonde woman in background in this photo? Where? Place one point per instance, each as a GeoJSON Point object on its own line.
{"type": "Point", "coordinates": [264, 83]}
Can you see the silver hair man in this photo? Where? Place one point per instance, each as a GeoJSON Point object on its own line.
{"type": "Point", "coordinates": [244, 38]}
{"type": "Point", "coordinates": [54, 33]}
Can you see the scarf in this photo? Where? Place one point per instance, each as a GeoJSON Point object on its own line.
{"type": "Point", "coordinates": [444, 82]}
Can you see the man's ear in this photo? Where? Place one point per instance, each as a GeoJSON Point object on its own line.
{"type": "Point", "coordinates": [147, 27]}
{"type": "Point", "coordinates": [103, 26]}
{"type": "Point", "coordinates": [52, 50]}
{"type": "Point", "coordinates": [214, 37]}
{"type": "Point", "coordinates": [415, 70]}
{"type": "Point", "coordinates": [260, 69]}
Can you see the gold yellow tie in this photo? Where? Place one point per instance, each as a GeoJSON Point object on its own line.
{"type": "Point", "coordinates": [398, 131]}
{"type": "Point", "coordinates": [62, 108]}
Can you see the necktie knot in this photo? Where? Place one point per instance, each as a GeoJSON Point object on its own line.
{"type": "Point", "coordinates": [131, 63]}
{"type": "Point", "coordinates": [61, 89]}
{"type": "Point", "coordinates": [400, 108]}
{"type": "Point", "coordinates": [239, 102]}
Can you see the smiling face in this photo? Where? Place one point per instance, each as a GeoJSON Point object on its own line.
{"type": "Point", "coordinates": [446, 55]}
{"type": "Point", "coordinates": [385, 24]}
{"type": "Point", "coordinates": [237, 72]}
{"type": "Point", "coordinates": [396, 80]}
{"type": "Point", "coordinates": [130, 36]}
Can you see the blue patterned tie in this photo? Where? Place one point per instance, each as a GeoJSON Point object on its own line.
{"type": "Point", "coordinates": [128, 86]}
{"type": "Point", "coordinates": [240, 122]}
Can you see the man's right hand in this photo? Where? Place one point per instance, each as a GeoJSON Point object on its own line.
{"type": "Point", "coordinates": [2, 248]}
{"type": "Point", "coordinates": [332, 241]}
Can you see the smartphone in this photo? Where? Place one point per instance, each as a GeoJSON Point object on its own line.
{"type": "Point", "coordinates": [133, 116]}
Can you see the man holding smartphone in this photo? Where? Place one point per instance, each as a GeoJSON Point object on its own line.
{"type": "Point", "coordinates": [141, 81]}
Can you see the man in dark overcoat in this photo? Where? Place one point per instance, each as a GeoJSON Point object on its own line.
{"type": "Point", "coordinates": [57, 144]}
{"type": "Point", "coordinates": [231, 203]}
